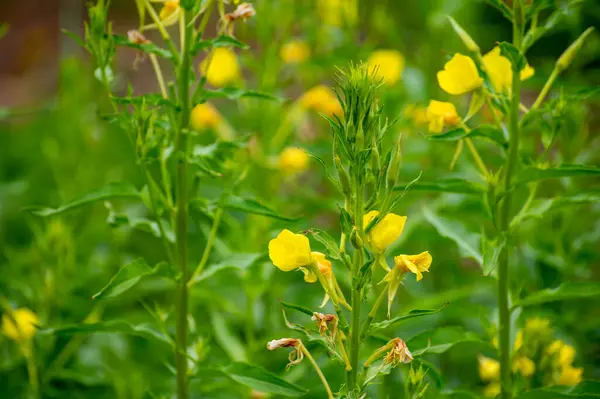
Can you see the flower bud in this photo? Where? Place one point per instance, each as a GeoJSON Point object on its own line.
{"type": "Point", "coordinates": [355, 239]}
{"type": "Point", "coordinates": [569, 54]}
{"type": "Point", "coordinates": [464, 36]}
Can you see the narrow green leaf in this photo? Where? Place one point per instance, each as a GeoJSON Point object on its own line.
{"type": "Point", "coordinates": [148, 48]}
{"type": "Point", "coordinates": [441, 339]}
{"type": "Point", "coordinates": [130, 275]}
{"type": "Point", "coordinates": [299, 308]}
{"type": "Point", "coordinates": [516, 58]}
{"type": "Point", "coordinates": [410, 315]}
{"type": "Point", "coordinates": [491, 253]}
{"type": "Point", "coordinates": [501, 6]}
{"type": "Point", "coordinates": [221, 41]}
{"type": "Point", "coordinates": [151, 100]}
{"type": "Point", "coordinates": [113, 326]}
{"type": "Point", "coordinates": [331, 245]}
{"type": "Point", "coordinates": [534, 173]}
{"type": "Point", "coordinates": [234, 93]}
{"type": "Point", "coordinates": [467, 242]}
{"type": "Point", "coordinates": [583, 390]}
{"type": "Point", "coordinates": [563, 292]}
{"type": "Point", "coordinates": [487, 132]}
{"type": "Point", "coordinates": [112, 190]}
{"type": "Point", "coordinates": [459, 186]}
{"type": "Point", "coordinates": [261, 380]}
{"type": "Point", "coordinates": [70, 34]}
{"type": "Point", "coordinates": [252, 206]}
{"type": "Point", "coordinates": [228, 341]}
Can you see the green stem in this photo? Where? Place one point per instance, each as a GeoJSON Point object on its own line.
{"type": "Point", "coordinates": [209, 244]}
{"type": "Point", "coordinates": [181, 222]}
{"type": "Point", "coordinates": [372, 314]}
{"type": "Point", "coordinates": [317, 370]}
{"type": "Point", "coordinates": [32, 373]}
{"type": "Point", "coordinates": [546, 88]}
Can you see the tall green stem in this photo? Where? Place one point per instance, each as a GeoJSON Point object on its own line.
{"type": "Point", "coordinates": [505, 212]}
{"type": "Point", "coordinates": [181, 219]}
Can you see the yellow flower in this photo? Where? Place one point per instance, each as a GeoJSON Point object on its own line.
{"type": "Point", "coordinates": [169, 8]}
{"type": "Point", "coordinates": [221, 67]}
{"type": "Point", "coordinates": [205, 115]}
{"type": "Point", "coordinates": [492, 390]}
{"type": "Point", "coordinates": [290, 251]}
{"type": "Point", "coordinates": [459, 76]}
{"type": "Point", "coordinates": [334, 12]}
{"type": "Point", "coordinates": [566, 355]}
{"type": "Point", "coordinates": [489, 369]}
{"type": "Point", "coordinates": [293, 160]}
{"type": "Point", "coordinates": [555, 346]}
{"type": "Point", "coordinates": [23, 327]}
{"type": "Point", "coordinates": [537, 325]}
{"type": "Point", "coordinates": [386, 231]}
{"type": "Point", "coordinates": [499, 70]}
{"type": "Point", "coordinates": [321, 99]}
{"type": "Point", "coordinates": [414, 263]}
{"type": "Point", "coordinates": [441, 113]}
{"type": "Point", "coordinates": [323, 264]}
{"type": "Point", "coordinates": [417, 114]}
{"type": "Point", "coordinates": [524, 365]}
{"type": "Point", "coordinates": [294, 52]}
{"type": "Point", "coordinates": [519, 340]}
{"type": "Point", "coordinates": [570, 375]}
{"type": "Point", "coordinates": [388, 65]}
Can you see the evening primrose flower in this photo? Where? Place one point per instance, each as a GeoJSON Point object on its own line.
{"type": "Point", "coordinates": [385, 232]}
{"type": "Point", "coordinates": [293, 161]}
{"type": "Point", "coordinates": [290, 251]}
{"type": "Point", "coordinates": [537, 325]}
{"type": "Point", "coordinates": [441, 113]}
{"type": "Point", "coordinates": [499, 70]}
{"type": "Point", "coordinates": [459, 76]}
{"type": "Point", "coordinates": [323, 264]}
{"type": "Point", "coordinates": [205, 115]}
{"type": "Point", "coordinates": [492, 390]}
{"type": "Point", "coordinates": [220, 67]}
{"type": "Point", "coordinates": [524, 365]}
{"type": "Point", "coordinates": [570, 375]}
{"type": "Point", "coordinates": [22, 326]}
{"type": "Point", "coordinates": [489, 369]}
{"type": "Point", "coordinates": [294, 52]}
{"type": "Point", "coordinates": [321, 99]}
{"type": "Point", "coordinates": [387, 65]}
{"type": "Point", "coordinates": [417, 114]}
{"type": "Point", "coordinates": [566, 355]}
{"type": "Point", "coordinates": [416, 264]}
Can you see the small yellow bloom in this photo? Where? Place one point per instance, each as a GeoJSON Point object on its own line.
{"type": "Point", "coordinates": [335, 12]}
{"type": "Point", "coordinates": [492, 390]}
{"type": "Point", "coordinates": [537, 325]}
{"type": "Point", "coordinates": [499, 70]}
{"type": "Point", "coordinates": [524, 365]}
{"type": "Point", "coordinates": [290, 251]}
{"type": "Point", "coordinates": [321, 99]}
{"type": "Point", "coordinates": [519, 340]}
{"type": "Point", "coordinates": [441, 113]}
{"type": "Point", "coordinates": [489, 369]}
{"type": "Point", "coordinates": [294, 52]}
{"type": "Point", "coordinates": [555, 346]}
{"type": "Point", "coordinates": [416, 264]}
{"type": "Point", "coordinates": [220, 67]}
{"type": "Point", "coordinates": [205, 115]}
{"type": "Point", "coordinates": [23, 327]}
{"type": "Point", "coordinates": [169, 8]}
{"type": "Point", "coordinates": [323, 264]}
{"type": "Point", "coordinates": [293, 160]}
{"type": "Point", "coordinates": [417, 114]}
{"type": "Point", "coordinates": [459, 76]}
{"type": "Point", "coordinates": [388, 65]}
{"type": "Point", "coordinates": [386, 231]}
{"type": "Point", "coordinates": [570, 375]}
{"type": "Point", "coordinates": [566, 355]}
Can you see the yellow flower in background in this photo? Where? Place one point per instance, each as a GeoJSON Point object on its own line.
{"type": "Point", "coordinates": [459, 76]}
{"type": "Point", "coordinates": [168, 10]}
{"type": "Point", "coordinates": [537, 325]}
{"type": "Point", "coordinates": [441, 113]}
{"type": "Point", "coordinates": [492, 390]}
{"type": "Point", "coordinates": [570, 375]}
{"type": "Point", "coordinates": [416, 264]}
{"type": "Point", "coordinates": [499, 70]}
{"type": "Point", "coordinates": [290, 251]}
{"type": "Point", "coordinates": [489, 369]}
{"type": "Point", "coordinates": [388, 65]}
{"type": "Point", "coordinates": [524, 365]}
{"type": "Point", "coordinates": [566, 355]}
{"type": "Point", "coordinates": [205, 115]}
{"type": "Point", "coordinates": [220, 67]}
{"type": "Point", "coordinates": [554, 346]}
{"type": "Point", "coordinates": [385, 232]}
{"type": "Point", "coordinates": [518, 340]}
{"type": "Point", "coordinates": [334, 12]}
{"type": "Point", "coordinates": [321, 99]}
{"type": "Point", "coordinates": [23, 327]}
{"type": "Point", "coordinates": [417, 114]}
{"type": "Point", "coordinates": [293, 161]}
{"type": "Point", "coordinates": [294, 52]}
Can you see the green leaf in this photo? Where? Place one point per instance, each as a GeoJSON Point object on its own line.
{"type": "Point", "coordinates": [130, 275]}
{"type": "Point", "coordinates": [234, 93]}
{"type": "Point", "coordinates": [113, 326]}
{"type": "Point", "coordinates": [331, 245]}
{"type": "Point", "coordinates": [459, 186]}
{"type": "Point", "coordinates": [112, 190]}
{"type": "Point", "coordinates": [487, 132]}
{"type": "Point", "coordinates": [151, 100]}
{"type": "Point", "coordinates": [491, 253]}
{"type": "Point", "coordinates": [516, 58]}
{"type": "Point", "coordinates": [501, 6]}
{"type": "Point", "coordinates": [563, 292]}
{"type": "Point", "coordinates": [410, 315]}
{"type": "Point", "coordinates": [442, 339]}
{"type": "Point", "coordinates": [299, 308]}
{"type": "Point", "coordinates": [467, 242]}
{"type": "Point", "coordinates": [229, 342]}
{"type": "Point", "coordinates": [148, 48]}
{"type": "Point", "coordinates": [252, 206]}
{"type": "Point", "coordinates": [221, 41]}
{"type": "Point", "coordinates": [534, 173]}
{"type": "Point", "coordinates": [70, 34]}
{"type": "Point", "coordinates": [583, 390]}
{"type": "Point", "coordinates": [261, 380]}
{"type": "Point", "coordinates": [237, 261]}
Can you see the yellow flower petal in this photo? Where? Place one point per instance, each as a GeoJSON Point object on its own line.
{"type": "Point", "coordinates": [388, 65]}
{"type": "Point", "coordinates": [23, 327]}
{"type": "Point", "coordinates": [321, 99]}
{"type": "Point", "coordinates": [499, 70]}
{"type": "Point", "coordinates": [205, 115]}
{"type": "Point", "coordinates": [489, 369]}
{"type": "Point", "coordinates": [220, 67]}
{"type": "Point", "coordinates": [386, 231]}
{"type": "Point", "coordinates": [416, 264]}
{"type": "Point", "coordinates": [294, 52]}
{"type": "Point", "coordinates": [439, 113]}
{"type": "Point", "coordinates": [293, 160]}
{"type": "Point", "coordinates": [459, 76]}
{"type": "Point", "coordinates": [290, 251]}
{"type": "Point", "coordinates": [524, 365]}
{"type": "Point", "coordinates": [570, 375]}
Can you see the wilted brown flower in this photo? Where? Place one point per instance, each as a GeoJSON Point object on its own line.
{"type": "Point", "coordinates": [399, 353]}
{"type": "Point", "coordinates": [136, 37]}
{"type": "Point", "coordinates": [296, 355]}
{"type": "Point", "coordinates": [243, 12]}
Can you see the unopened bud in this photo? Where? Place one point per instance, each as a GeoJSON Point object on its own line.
{"type": "Point", "coordinates": [355, 239]}
{"type": "Point", "coordinates": [464, 36]}
{"type": "Point", "coordinates": [569, 54]}
{"type": "Point", "coordinates": [395, 163]}
{"type": "Point", "coordinates": [343, 176]}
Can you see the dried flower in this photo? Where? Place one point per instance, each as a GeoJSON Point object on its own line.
{"type": "Point", "coordinates": [136, 37]}
{"type": "Point", "coordinates": [399, 353]}
{"type": "Point", "coordinates": [296, 355]}
{"type": "Point", "coordinates": [242, 12]}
